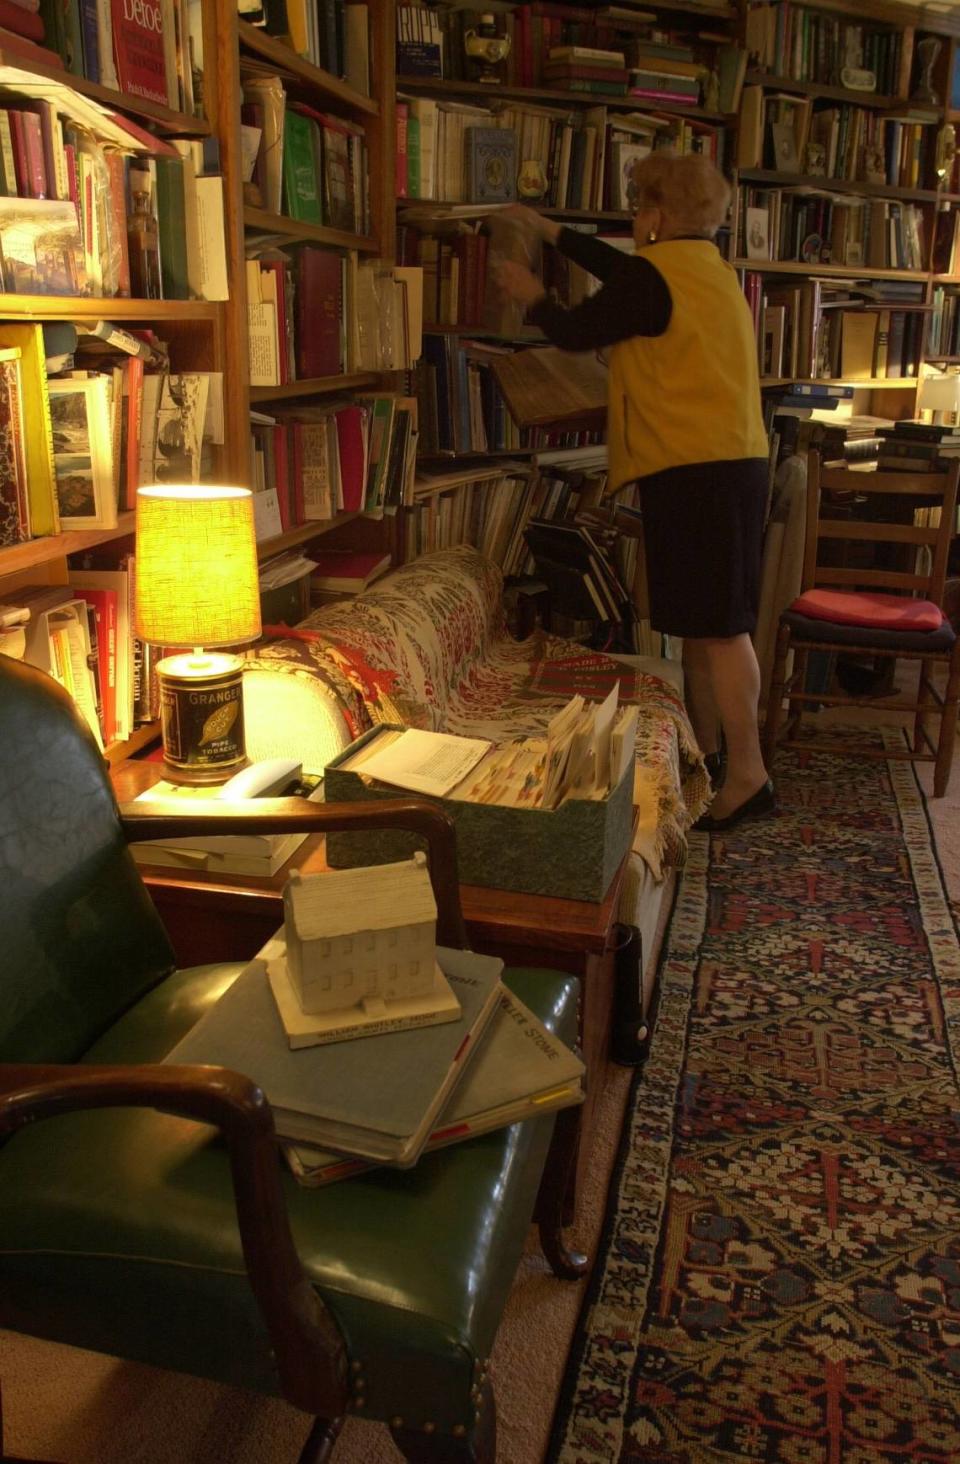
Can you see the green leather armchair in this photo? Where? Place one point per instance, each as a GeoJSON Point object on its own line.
{"type": "Point", "coordinates": [148, 1215]}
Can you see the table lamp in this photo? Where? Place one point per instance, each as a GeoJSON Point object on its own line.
{"type": "Point", "coordinates": [939, 394]}
{"type": "Point", "coordinates": [197, 586]}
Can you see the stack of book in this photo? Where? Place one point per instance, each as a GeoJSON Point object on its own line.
{"type": "Point", "coordinates": [918, 447]}
{"type": "Point", "coordinates": [664, 72]}
{"type": "Point", "coordinates": [387, 1098]}
{"type": "Point", "coordinates": [586, 69]}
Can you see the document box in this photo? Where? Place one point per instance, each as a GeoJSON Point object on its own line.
{"type": "Point", "coordinates": [572, 851]}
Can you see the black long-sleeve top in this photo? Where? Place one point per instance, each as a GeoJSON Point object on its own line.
{"type": "Point", "coordinates": [633, 299]}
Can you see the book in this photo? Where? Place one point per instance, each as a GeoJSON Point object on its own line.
{"type": "Point", "coordinates": [41, 247]}
{"type": "Point", "coordinates": [522, 1070]}
{"type": "Point", "coordinates": [544, 385]}
{"type": "Point", "coordinates": [15, 524]}
{"type": "Point", "coordinates": [256, 854]}
{"type": "Point", "coordinates": [422, 762]}
{"type": "Point", "coordinates": [138, 45]}
{"type": "Point", "coordinates": [491, 164]}
{"type": "Point", "coordinates": [342, 569]}
{"type": "Point", "coordinates": [378, 1098]}
{"type": "Point", "coordinates": [81, 421]}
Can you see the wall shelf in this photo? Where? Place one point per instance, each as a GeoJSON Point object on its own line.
{"type": "Point", "coordinates": [265, 222]}
{"type": "Point", "coordinates": [86, 307]}
{"type": "Point", "coordinates": [20, 557]}
{"type": "Point", "coordinates": [874, 100]}
{"type": "Point", "coordinates": [178, 124]}
{"type": "Point", "coordinates": [788, 181]}
{"type": "Point", "coordinates": [312, 386]}
{"type": "Point", "coordinates": [434, 86]}
{"type": "Point", "coordinates": [829, 271]}
{"type": "Point", "coordinates": [268, 548]}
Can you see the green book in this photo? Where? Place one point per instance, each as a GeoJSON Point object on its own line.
{"type": "Point", "coordinates": [172, 227]}
{"type": "Point", "coordinates": [381, 425]}
{"type": "Point", "coordinates": [300, 192]}
{"type": "Point", "coordinates": [378, 1097]}
{"type": "Point", "coordinates": [413, 156]}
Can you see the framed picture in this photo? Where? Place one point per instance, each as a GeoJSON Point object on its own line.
{"type": "Point", "coordinates": [785, 156]}
{"type": "Point", "coordinates": [758, 233]}
{"type": "Point", "coordinates": [815, 160]}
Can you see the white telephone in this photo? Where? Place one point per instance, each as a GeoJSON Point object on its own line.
{"type": "Point", "coordinates": [268, 779]}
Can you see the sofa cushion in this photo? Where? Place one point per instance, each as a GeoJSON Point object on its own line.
{"type": "Point", "coordinates": [413, 1263]}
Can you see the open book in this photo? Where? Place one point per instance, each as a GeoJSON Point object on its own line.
{"type": "Point", "coordinates": [422, 762]}
{"type": "Point", "coordinates": [544, 385]}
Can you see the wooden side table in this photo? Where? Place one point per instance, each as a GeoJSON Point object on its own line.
{"type": "Point", "coordinates": [218, 917]}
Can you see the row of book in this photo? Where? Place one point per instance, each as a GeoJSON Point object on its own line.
{"type": "Point", "coordinates": [307, 164]}
{"type": "Point", "coordinates": [822, 228]}
{"type": "Point", "coordinates": [152, 50]}
{"type": "Point", "coordinates": [81, 634]}
{"type": "Point", "coordinates": [311, 463]}
{"type": "Point", "coordinates": [944, 332]}
{"type": "Point", "coordinates": [800, 135]}
{"type": "Point", "coordinates": [794, 333]}
{"type": "Point", "coordinates": [87, 418]}
{"type": "Point", "coordinates": [430, 43]}
{"type": "Point", "coordinates": [92, 204]}
{"type": "Point", "coordinates": [314, 313]}
{"type": "Point", "coordinates": [331, 34]}
{"type": "Point", "coordinates": [585, 161]}
{"type": "Point", "coordinates": [806, 44]}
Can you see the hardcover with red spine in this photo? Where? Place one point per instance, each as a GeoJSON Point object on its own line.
{"type": "Point", "coordinates": [351, 442]}
{"type": "Point", "coordinates": [319, 313]}
{"type": "Point", "coordinates": [138, 49]}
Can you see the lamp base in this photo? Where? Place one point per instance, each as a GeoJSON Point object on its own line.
{"type": "Point", "coordinates": [201, 713]}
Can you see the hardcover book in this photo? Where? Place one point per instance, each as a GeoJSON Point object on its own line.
{"type": "Point", "coordinates": [81, 418]}
{"type": "Point", "coordinates": [14, 504]}
{"type": "Point", "coordinates": [491, 164]}
{"type": "Point", "coordinates": [521, 1071]}
{"type": "Point", "coordinates": [378, 1098]}
{"type": "Point", "coordinates": [138, 46]}
{"type": "Point", "coordinates": [41, 248]}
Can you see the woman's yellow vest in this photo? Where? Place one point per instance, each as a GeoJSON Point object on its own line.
{"type": "Point", "coordinates": [691, 395]}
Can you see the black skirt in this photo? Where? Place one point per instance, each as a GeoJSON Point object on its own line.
{"type": "Point", "coordinates": [703, 533]}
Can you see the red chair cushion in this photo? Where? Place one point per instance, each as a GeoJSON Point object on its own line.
{"type": "Point", "coordinates": [870, 609]}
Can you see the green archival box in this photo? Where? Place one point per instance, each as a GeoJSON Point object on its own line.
{"type": "Point", "coordinates": [572, 851]}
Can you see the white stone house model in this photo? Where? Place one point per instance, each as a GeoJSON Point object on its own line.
{"type": "Point", "coordinates": [361, 937]}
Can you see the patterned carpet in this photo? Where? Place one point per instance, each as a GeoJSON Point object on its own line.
{"type": "Point", "coordinates": [781, 1280]}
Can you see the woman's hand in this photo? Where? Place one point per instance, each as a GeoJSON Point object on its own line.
{"type": "Point", "coordinates": [518, 283]}
{"type": "Point", "coordinates": [544, 228]}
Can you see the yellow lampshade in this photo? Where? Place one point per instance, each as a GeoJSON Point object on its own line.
{"type": "Point", "coordinates": [197, 582]}
{"type": "Point", "coordinates": [939, 393]}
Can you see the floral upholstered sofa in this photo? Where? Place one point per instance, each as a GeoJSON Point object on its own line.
{"type": "Point", "coordinates": [427, 646]}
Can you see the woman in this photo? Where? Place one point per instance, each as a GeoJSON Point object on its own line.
{"type": "Point", "coordinates": [684, 422]}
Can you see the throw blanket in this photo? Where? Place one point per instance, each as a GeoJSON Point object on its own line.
{"type": "Point", "coordinates": [428, 647]}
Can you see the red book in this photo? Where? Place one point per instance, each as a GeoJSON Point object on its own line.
{"type": "Point", "coordinates": [18, 45]}
{"type": "Point", "coordinates": [27, 137]}
{"type": "Point", "coordinates": [319, 313]}
{"type": "Point", "coordinates": [138, 48]}
{"type": "Point", "coordinates": [21, 21]}
{"type": "Point", "coordinates": [352, 445]}
{"type": "Point", "coordinates": [144, 140]}
{"type": "Point", "coordinates": [103, 603]}
{"type": "Point", "coordinates": [133, 411]}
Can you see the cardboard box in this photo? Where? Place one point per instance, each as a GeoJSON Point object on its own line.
{"type": "Point", "coordinates": [572, 851]}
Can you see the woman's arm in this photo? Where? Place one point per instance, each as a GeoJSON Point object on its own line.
{"type": "Point", "coordinates": [591, 253]}
{"type": "Point", "coordinates": [635, 301]}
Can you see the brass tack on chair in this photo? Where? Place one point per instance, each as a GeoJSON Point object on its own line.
{"type": "Point", "coordinates": [396, 1422]}
{"type": "Point", "coordinates": [356, 1366]}
{"type": "Point", "coordinates": [429, 1427]}
{"type": "Point", "coordinates": [459, 1429]}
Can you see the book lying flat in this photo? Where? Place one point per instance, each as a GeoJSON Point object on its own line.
{"type": "Point", "coordinates": [521, 1071]}
{"type": "Point", "coordinates": [544, 385]}
{"type": "Point", "coordinates": [378, 1097]}
{"type": "Point", "coordinates": [422, 762]}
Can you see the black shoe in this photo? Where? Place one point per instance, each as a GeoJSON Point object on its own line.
{"type": "Point", "coordinates": [762, 802]}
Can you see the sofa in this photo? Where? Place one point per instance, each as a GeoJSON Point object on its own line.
{"type": "Point", "coordinates": [427, 646]}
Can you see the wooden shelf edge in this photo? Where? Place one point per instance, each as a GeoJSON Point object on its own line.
{"type": "Point", "coordinates": [429, 205]}
{"type": "Point", "coordinates": [118, 307]}
{"type": "Point", "coordinates": [271, 223]}
{"type": "Point", "coordinates": [312, 386]}
{"type": "Point", "coordinates": [17, 558]}
{"type": "Point", "coordinates": [181, 124]}
{"type": "Point", "coordinates": [444, 87]}
{"type": "Point", "coordinates": [267, 548]}
{"type": "Point", "coordinates": [756, 77]}
{"type": "Point", "coordinates": [828, 271]}
{"type": "Point", "coordinates": [788, 181]}
{"type": "Point", "coordinates": [323, 81]}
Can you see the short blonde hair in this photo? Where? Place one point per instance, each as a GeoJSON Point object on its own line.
{"type": "Point", "coordinates": [689, 189]}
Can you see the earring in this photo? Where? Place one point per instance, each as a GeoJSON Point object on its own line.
{"type": "Point", "coordinates": [652, 237]}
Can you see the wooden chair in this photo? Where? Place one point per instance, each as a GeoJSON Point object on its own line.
{"type": "Point", "coordinates": [886, 612]}
{"type": "Point", "coordinates": [144, 1209]}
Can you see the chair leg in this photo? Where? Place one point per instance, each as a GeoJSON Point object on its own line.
{"type": "Point", "coordinates": [948, 728]}
{"type": "Point", "coordinates": [481, 1448]}
{"type": "Point", "coordinates": [558, 1171]}
{"type": "Point", "coordinates": [774, 715]}
{"type": "Point", "coordinates": [319, 1445]}
{"type": "Point", "coordinates": [920, 720]}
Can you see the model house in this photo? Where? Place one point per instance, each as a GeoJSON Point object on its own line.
{"type": "Point", "coordinates": [373, 941]}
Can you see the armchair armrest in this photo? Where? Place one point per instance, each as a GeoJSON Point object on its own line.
{"type": "Point", "coordinates": [161, 819]}
{"type": "Point", "coordinates": [309, 1351]}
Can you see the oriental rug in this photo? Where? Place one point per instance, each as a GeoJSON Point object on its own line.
{"type": "Point", "coordinates": [780, 1279]}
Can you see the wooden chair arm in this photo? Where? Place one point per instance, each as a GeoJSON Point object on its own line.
{"type": "Point", "coordinates": [309, 1350]}
{"type": "Point", "coordinates": [163, 819]}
